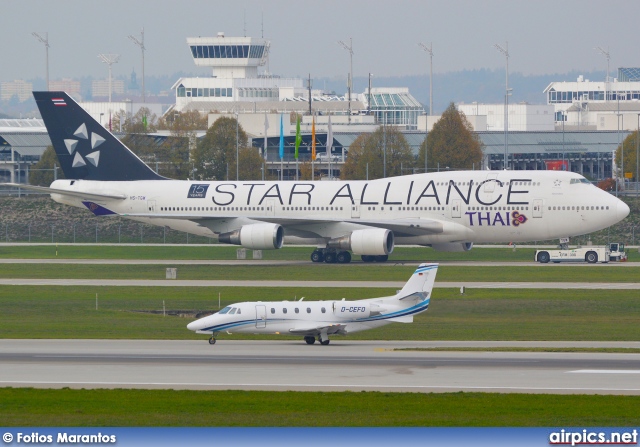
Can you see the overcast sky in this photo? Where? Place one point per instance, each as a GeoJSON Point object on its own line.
{"type": "Point", "coordinates": [545, 36]}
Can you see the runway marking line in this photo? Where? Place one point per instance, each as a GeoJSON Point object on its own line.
{"type": "Point", "coordinates": [605, 371]}
{"type": "Point", "coordinates": [347, 387]}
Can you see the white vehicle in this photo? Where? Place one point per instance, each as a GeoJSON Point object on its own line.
{"type": "Point", "coordinates": [449, 211]}
{"type": "Point", "coordinates": [320, 319]}
{"type": "Point", "coordinates": [590, 254]}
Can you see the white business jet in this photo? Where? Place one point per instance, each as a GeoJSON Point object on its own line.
{"type": "Point", "coordinates": [320, 319]}
{"type": "Point", "coordinates": [449, 211]}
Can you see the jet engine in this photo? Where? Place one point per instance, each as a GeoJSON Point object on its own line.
{"type": "Point", "coordinates": [264, 236]}
{"type": "Point", "coordinates": [453, 246]}
{"type": "Point", "coordinates": [375, 242]}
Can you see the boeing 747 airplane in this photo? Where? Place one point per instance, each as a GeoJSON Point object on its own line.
{"type": "Point", "coordinates": [320, 319]}
{"type": "Point", "coordinates": [449, 211]}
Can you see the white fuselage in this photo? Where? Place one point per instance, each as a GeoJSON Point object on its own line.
{"type": "Point", "coordinates": [459, 206]}
{"type": "Point", "coordinates": [294, 317]}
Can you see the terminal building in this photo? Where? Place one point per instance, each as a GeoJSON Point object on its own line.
{"type": "Point", "coordinates": [237, 85]}
{"type": "Point", "coordinates": [609, 104]}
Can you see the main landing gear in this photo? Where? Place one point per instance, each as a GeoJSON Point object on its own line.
{"type": "Point", "coordinates": [311, 340]}
{"type": "Point", "coordinates": [331, 256]}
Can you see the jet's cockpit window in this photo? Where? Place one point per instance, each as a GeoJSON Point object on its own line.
{"type": "Point", "coordinates": [225, 310]}
{"type": "Point", "coordinates": [239, 311]}
{"type": "Point", "coordinates": [579, 180]}
{"type": "Point", "coordinates": [232, 311]}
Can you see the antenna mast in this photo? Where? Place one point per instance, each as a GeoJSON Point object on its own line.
{"type": "Point", "coordinates": [140, 43]}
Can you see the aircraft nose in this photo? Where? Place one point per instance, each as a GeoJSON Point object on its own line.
{"type": "Point", "coordinates": [622, 210]}
{"type": "Point", "coordinates": [194, 325]}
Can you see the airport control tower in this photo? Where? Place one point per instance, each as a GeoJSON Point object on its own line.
{"type": "Point", "coordinates": [230, 57]}
{"type": "Point", "coordinates": [234, 78]}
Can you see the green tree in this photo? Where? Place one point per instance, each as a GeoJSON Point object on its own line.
{"type": "Point", "coordinates": [251, 164]}
{"type": "Point", "coordinates": [371, 148]}
{"type": "Point", "coordinates": [135, 123]}
{"type": "Point", "coordinates": [217, 149]}
{"type": "Point", "coordinates": [41, 174]}
{"type": "Point", "coordinates": [452, 143]}
{"type": "Point", "coordinates": [628, 147]}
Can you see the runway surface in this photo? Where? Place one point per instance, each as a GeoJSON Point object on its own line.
{"type": "Point", "coordinates": [293, 365]}
{"type": "Point", "coordinates": [311, 284]}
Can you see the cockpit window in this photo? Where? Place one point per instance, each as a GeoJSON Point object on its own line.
{"type": "Point", "coordinates": [579, 180]}
{"type": "Point", "coordinates": [239, 311]}
{"type": "Point", "coordinates": [225, 310]}
{"type": "Point", "coordinates": [232, 311]}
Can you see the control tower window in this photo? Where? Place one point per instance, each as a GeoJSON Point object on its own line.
{"type": "Point", "coordinates": [193, 51]}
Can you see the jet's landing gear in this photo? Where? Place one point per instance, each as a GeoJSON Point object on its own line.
{"type": "Point", "coordinates": [323, 342]}
{"type": "Point", "coordinates": [330, 256]}
{"type": "Point", "coordinates": [323, 337]}
{"type": "Point", "coordinates": [212, 340]}
{"type": "Point", "coordinates": [310, 340]}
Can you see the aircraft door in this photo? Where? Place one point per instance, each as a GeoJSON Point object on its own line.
{"type": "Point", "coordinates": [455, 208]}
{"type": "Point", "coordinates": [151, 206]}
{"type": "Point", "coordinates": [271, 208]}
{"type": "Point", "coordinates": [537, 207]}
{"type": "Point", "coordinates": [261, 316]}
{"type": "Point", "coordinates": [490, 184]}
{"type": "Point", "coordinates": [355, 209]}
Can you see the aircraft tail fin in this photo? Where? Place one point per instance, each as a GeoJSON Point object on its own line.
{"type": "Point", "coordinates": [85, 149]}
{"type": "Point", "coordinates": [420, 283]}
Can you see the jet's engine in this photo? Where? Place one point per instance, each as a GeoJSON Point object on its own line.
{"type": "Point", "coordinates": [264, 236]}
{"type": "Point", "coordinates": [374, 241]}
{"type": "Point", "coordinates": [453, 246]}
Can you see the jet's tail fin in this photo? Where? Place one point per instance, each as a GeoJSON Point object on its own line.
{"type": "Point", "coordinates": [420, 283]}
{"type": "Point", "coordinates": [85, 149]}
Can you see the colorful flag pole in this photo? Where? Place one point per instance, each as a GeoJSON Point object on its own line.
{"type": "Point", "coordinates": [281, 148]}
{"type": "Point", "coordinates": [313, 143]}
{"type": "Point", "coordinates": [329, 146]}
{"type": "Point", "coordinates": [298, 141]}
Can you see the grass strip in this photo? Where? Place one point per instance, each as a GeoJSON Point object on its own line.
{"type": "Point", "coordinates": [480, 314]}
{"type": "Point", "coordinates": [515, 349]}
{"type": "Point", "coordinates": [323, 272]}
{"type": "Point", "coordinates": [226, 252]}
{"type": "Point", "coordinates": [170, 408]}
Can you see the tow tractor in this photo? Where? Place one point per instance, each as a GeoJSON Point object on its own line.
{"type": "Point", "coordinates": [591, 254]}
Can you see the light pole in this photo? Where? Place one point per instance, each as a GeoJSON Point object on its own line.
{"type": "Point", "coordinates": [505, 51]}
{"type": "Point", "coordinates": [606, 82]}
{"type": "Point", "coordinates": [45, 41]}
{"type": "Point", "coordinates": [429, 50]}
{"type": "Point", "coordinates": [109, 59]}
{"type": "Point", "coordinates": [563, 118]}
{"type": "Point", "coordinates": [369, 97]}
{"type": "Point", "coordinates": [140, 43]}
{"type": "Point", "coordinates": [349, 48]}
{"type": "Point", "coordinates": [237, 151]}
